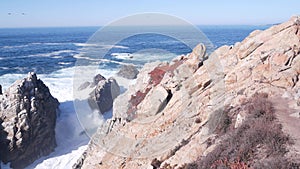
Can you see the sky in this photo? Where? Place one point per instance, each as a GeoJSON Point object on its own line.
{"type": "Point", "coordinates": [63, 13]}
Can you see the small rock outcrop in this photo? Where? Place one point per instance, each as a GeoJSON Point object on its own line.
{"type": "Point", "coordinates": [176, 112]}
{"type": "Point", "coordinates": [104, 94]}
{"type": "Point", "coordinates": [128, 72]}
{"type": "Point", "coordinates": [28, 117]}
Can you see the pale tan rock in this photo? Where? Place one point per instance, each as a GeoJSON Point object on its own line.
{"type": "Point", "coordinates": [197, 56]}
{"type": "Point", "coordinates": [154, 102]}
{"type": "Point", "coordinates": [266, 61]}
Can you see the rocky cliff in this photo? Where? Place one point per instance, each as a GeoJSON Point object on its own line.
{"type": "Point", "coordinates": [27, 119]}
{"type": "Point", "coordinates": [180, 112]}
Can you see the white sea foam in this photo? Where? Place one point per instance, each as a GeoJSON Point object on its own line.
{"type": "Point", "coordinates": [64, 63]}
{"type": "Point", "coordinates": [46, 43]}
{"type": "Point", "coordinates": [122, 55]}
{"type": "Point", "coordinates": [81, 56]}
{"type": "Point", "coordinates": [4, 68]}
{"type": "Point", "coordinates": [32, 44]}
{"type": "Point", "coordinates": [71, 141]}
{"type": "Point", "coordinates": [85, 44]}
{"type": "Point", "coordinates": [100, 45]}
{"type": "Point", "coordinates": [55, 53]}
{"type": "Point", "coordinates": [70, 136]}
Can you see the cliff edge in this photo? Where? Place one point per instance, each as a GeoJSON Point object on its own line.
{"type": "Point", "coordinates": [179, 113]}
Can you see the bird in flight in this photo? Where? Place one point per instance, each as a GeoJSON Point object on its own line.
{"type": "Point", "coordinates": [9, 13]}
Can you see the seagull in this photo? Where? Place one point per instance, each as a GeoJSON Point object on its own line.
{"type": "Point", "coordinates": [9, 13]}
{"type": "Point", "coordinates": [23, 13]}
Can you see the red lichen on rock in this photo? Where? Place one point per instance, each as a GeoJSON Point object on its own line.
{"type": "Point", "coordinates": [156, 76]}
{"type": "Point", "coordinates": [138, 97]}
{"type": "Point", "coordinates": [135, 100]}
{"type": "Point", "coordinates": [158, 73]}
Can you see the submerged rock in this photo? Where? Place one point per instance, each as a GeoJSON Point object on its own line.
{"type": "Point", "coordinates": [27, 116]}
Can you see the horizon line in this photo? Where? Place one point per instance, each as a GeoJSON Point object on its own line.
{"type": "Point", "coordinates": [99, 26]}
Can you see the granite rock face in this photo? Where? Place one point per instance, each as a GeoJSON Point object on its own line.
{"type": "Point", "coordinates": [28, 117]}
{"type": "Point", "coordinates": [175, 127]}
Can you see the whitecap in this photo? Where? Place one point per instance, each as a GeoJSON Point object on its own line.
{"type": "Point", "coordinates": [122, 55]}
{"type": "Point", "coordinates": [55, 53]}
{"type": "Point", "coordinates": [64, 63]}
{"type": "Point", "coordinates": [100, 45]}
{"type": "Point", "coordinates": [47, 43]}
{"type": "Point", "coordinates": [81, 56]}
{"type": "Point", "coordinates": [85, 44]}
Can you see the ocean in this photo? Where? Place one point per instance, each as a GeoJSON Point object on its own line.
{"type": "Point", "coordinates": [53, 54]}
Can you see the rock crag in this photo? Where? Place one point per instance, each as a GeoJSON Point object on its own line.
{"type": "Point", "coordinates": [27, 119]}
{"type": "Point", "coordinates": [102, 97]}
{"type": "Point", "coordinates": [175, 112]}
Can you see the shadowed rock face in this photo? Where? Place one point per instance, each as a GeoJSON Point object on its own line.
{"type": "Point", "coordinates": [175, 128]}
{"type": "Point", "coordinates": [27, 116]}
{"type": "Point", "coordinates": [104, 94]}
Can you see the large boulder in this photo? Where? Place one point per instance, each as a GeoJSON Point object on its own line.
{"type": "Point", "coordinates": [27, 118]}
{"type": "Point", "coordinates": [128, 72]}
{"type": "Point", "coordinates": [104, 94]}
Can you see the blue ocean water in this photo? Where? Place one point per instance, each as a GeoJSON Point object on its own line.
{"type": "Point", "coordinates": [53, 52]}
{"type": "Point", "coordinates": [45, 50]}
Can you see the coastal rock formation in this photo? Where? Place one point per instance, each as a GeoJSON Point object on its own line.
{"type": "Point", "coordinates": [180, 112]}
{"type": "Point", "coordinates": [27, 118]}
{"type": "Point", "coordinates": [104, 94]}
{"type": "Point", "coordinates": [128, 72]}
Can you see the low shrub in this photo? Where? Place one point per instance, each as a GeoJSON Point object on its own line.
{"type": "Point", "coordinates": [258, 143]}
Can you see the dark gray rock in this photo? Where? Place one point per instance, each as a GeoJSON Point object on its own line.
{"type": "Point", "coordinates": [104, 94]}
{"type": "Point", "coordinates": [97, 79]}
{"type": "Point", "coordinates": [128, 72]}
{"type": "Point", "coordinates": [27, 122]}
